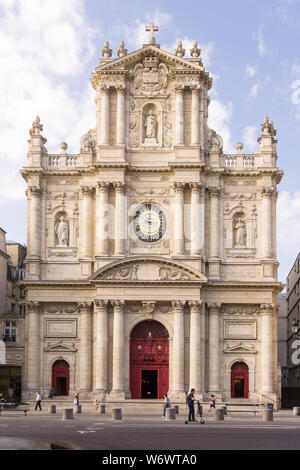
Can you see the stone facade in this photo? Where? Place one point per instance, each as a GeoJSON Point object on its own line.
{"type": "Point", "coordinates": [152, 221]}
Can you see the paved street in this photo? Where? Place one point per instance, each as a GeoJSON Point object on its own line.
{"type": "Point", "coordinates": [91, 431]}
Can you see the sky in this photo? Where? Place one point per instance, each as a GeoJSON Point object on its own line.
{"type": "Point", "coordinates": [49, 49]}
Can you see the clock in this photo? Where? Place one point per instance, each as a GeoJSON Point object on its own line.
{"type": "Point", "coordinates": [150, 223]}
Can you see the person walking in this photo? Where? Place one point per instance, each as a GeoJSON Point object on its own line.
{"type": "Point", "coordinates": [212, 403]}
{"type": "Point", "coordinates": [167, 404]}
{"type": "Point", "coordinates": [76, 399]}
{"type": "Point", "coordinates": [38, 401]}
{"type": "Point", "coordinates": [96, 404]}
{"type": "Point", "coordinates": [190, 399]}
{"type": "Point", "coordinates": [2, 400]}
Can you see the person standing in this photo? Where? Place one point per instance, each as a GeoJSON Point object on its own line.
{"type": "Point", "coordinates": [76, 399]}
{"type": "Point", "coordinates": [167, 404]}
{"type": "Point", "coordinates": [190, 399]}
{"type": "Point", "coordinates": [38, 401]}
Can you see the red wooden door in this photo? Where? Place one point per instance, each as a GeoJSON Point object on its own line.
{"type": "Point", "coordinates": [239, 380]}
{"type": "Point", "coordinates": [149, 350]}
{"type": "Point", "coordinates": [61, 370]}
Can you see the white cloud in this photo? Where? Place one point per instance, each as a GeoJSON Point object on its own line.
{"type": "Point", "coordinates": [250, 139]}
{"type": "Point", "coordinates": [44, 47]}
{"type": "Point", "coordinates": [219, 118]}
{"type": "Point", "coordinates": [254, 91]}
{"type": "Point", "coordinates": [261, 46]}
{"type": "Point", "coordinates": [288, 229]}
{"type": "Point", "coordinates": [250, 71]}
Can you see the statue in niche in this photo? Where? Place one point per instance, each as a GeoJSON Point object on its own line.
{"type": "Point", "coordinates": [150, 126]}
{"type": "Point", "coordinates": [62, 232]}
{"type": "Point", "coordinates": [240, 233]}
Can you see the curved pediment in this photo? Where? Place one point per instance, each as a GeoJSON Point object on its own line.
{"type": "Point", "coordinates": [148, 269]}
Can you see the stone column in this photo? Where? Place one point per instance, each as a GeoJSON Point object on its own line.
{"type": "Point", "coordinates": [202, 107]}
{"type": "Point", "coordinates": [266, 229]}
{"type": "Point", "coordinates": [214, 194]}
{"type": "Point", "coordinates": [195, 122]}
{"type": "Point", "coordinates": [34, 222]}
{"type": "Point", "coordinates": [121, 116]}
{"type": "Point", "coordinates": [33, 346]}
{"type": "Point", "coordinates": [195, 346]}
{"type": "Point", "coordinates": [105, 117]}
{"type": "Point", "coordinates": [179, 116]}
{"type": "Point", "coordinates": [101, 352]}
{"type": "Point", "coordinates": [214, 346]}
{"type": "Point", "coordinates": [178, 217]}
{"type": "Point", "coordinates": [178, 347]}
{"type": "Point", "coordinates": [120, 219]}
{"type": "Point", "coordinates": [118, 349]}
{"type": "Point", "coordinates": [267, 311]}
{"type": "Point", "coordinates": [85, 380]}
{"type": "Point", "coordinates": [102, 219]}
{"type": "Point", "coordinates": [86, 222]}
{"type": "Point", "coordinates": [195, 219]}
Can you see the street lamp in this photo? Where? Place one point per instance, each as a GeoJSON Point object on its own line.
{"type": "Point", "coordinates": [295, 328]}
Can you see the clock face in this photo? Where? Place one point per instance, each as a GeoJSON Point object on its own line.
{"type": "Point", "coordinates": [150, 223]}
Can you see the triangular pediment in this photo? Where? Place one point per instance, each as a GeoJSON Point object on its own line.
{"type": "Point", "coordinates": [148, 269]}
{"type": "Point", "coordinates": [61, 347]}
{"type": "Point", "coordinates": [127, 64]}
{"type": "Point", "coordinates": [240, 348]}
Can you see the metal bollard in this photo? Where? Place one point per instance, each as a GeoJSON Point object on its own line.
{"type": "Point", "coordinates": [77, 409]}
{"type": "Point", "coordinates": [224, 408]}
{"type": "Point", "coordinates": [52, 409]}
{"type": "Point", "coordinates": [267, 415]}
{"type": "Point", "coordinates": [296, 411]}
{"type": "Point", "coordinates": [68, 413]}
{"type": "Point", "coordinates": [170, 413]}
{"type": "Point", "coordinates": [101, 409]}
{"type": "Point", "coordinates": [176, 408]}
{"type": "Point", "coordinates": [116, 413]}
{"type": "Point", "coordinates": [219, 414]}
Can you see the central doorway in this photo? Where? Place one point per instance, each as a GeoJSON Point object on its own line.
{"type": "Point", "coordinates": [60, 378]}
{"type": "Point", "coordinates": [239, 380]}
{"type": "Point", "coordinates": [149, 384]}
{"type": "Point", "coordinates": [149, 360]}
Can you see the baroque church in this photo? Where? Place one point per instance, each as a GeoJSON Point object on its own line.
{"type": "Point", "coordinates": [151, 263]}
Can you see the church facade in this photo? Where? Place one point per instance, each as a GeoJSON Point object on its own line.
{"type": "Point", "coordinates": [151, 263]}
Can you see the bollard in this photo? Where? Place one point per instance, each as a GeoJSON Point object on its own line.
{"type": "Point", "coordinates": [52, 409]}
{"type": "Point", "coordinates": [170, 413]}
{"type": "Point", "coordinates": [101, 409]}
{"type": "Point", "coordinates": [68, 413]}
{"type": "Point", "coordinates": [77, 409]}
{"type": "Point", "coordinates": [296, 411]}
{"type": "Point", "coordinates": [267, 415]}
{"type": "Point", "coordinates": [176, 408]}
{"type": "Point", "coordinates": [224, 408]}
{"type": "Point", "coordinates": [219, 414]}
{"type": "Point", "coordinates": [116, 413]}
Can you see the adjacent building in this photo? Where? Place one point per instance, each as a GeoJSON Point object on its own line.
{"type": "Point", "coordinates": [151, 263]}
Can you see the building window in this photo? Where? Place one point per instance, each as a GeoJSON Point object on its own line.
{"type": "Point", "coordinates": [10, 331]}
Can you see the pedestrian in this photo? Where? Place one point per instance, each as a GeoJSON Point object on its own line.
{"type": "Point", "coordinates": [51, 394]}
{"type": "Point", "coordinates": [76, 399]}
{"type": "Point", "coordinates": [167, 404]}
{"type": "Point", "coordinates": [212, 403]}
{"type": "Point", "coordinates": [190, 399]}
{"type": "Point", "coordinates": [96, 404]}
{"type": "Point", "coordinates": [2, 400]}
{"type": "Point", "coordinates": [38, 401]}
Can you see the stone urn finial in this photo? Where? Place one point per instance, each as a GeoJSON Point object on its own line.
{"type": "Point", "coordinates": [106, 51]}
{"type": "Point", "coordinates": [179, 52]}
{"type": "Point", "coordinates": [121, 52]}
{"type": "Point", "coordinates": [195, 51]}
{"type": "Point", "coordinates": [239, 147]}
{"type": "Point", "coordinates": [64, 148]}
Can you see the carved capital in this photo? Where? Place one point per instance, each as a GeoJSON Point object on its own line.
{"type": "Point", "coordinates": [119, 187]}
{"type": "Point", "coordinates": [34, 191]}
{"type": "Point", "coordinates": [118, 305]}
{"type": "Point", "coordinates": [87, 191]}
{"type": "Point", "coordinates": [195, 89]}
{"type": "Point", "coordinates": [214, 191]}
{"type": "Point", "coordinates": [33, 307]}
{"type": "Point", "coordinates": [195, 305]}
{"type": "Point", "coordinates": [179, 187]}
{"type": "Point", "coordinates": [101, 304]}
{"type": "Point", "coordinates": [195, 187]}
{"type": "Point", "coordinates": [178, 305]}
{"type": "Point", "coordinates": [179, 88]}
{"type": "Point", "coordinates": [267, 309]}
{"type": "Point", "coordinates": [103, 186]}
{"type": "Point", "coordinates": [267, 192]}
{"type": "Point", "coordinates": [84, 307]}
{"type": "Point", "coordinates": [214, 307]}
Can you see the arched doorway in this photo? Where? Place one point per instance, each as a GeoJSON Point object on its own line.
{"type": "Point", "coordinates": [149, 360]}
{"type": "Point", "coordinates": [60, 378]}
{"type": "Point", "coordinates": [239, 380]}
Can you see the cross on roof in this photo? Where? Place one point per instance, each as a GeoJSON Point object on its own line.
{"type": "Point", "coordinates": [151, 28]}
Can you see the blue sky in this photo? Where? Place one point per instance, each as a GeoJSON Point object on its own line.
{"type": "Point", "coordinates": [49, 48]}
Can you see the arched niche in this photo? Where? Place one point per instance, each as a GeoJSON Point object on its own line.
{"type": "Point", "coordinates": [151, 124]}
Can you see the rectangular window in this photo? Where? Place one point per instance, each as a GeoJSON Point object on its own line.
{"type": "Point", "coordinates": [10, 331]}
